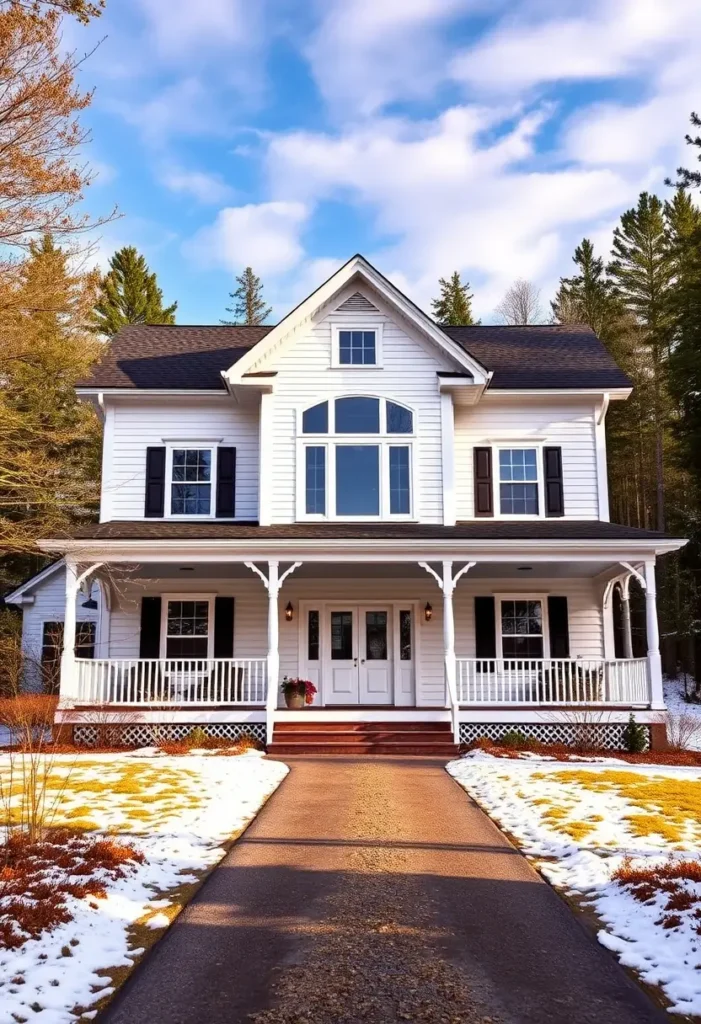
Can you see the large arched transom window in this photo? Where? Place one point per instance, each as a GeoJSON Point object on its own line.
{"type": "Point", "coordinates": [356, 459]}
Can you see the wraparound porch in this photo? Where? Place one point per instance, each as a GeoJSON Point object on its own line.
{"type": "Point", "coordinates": [374, 636]}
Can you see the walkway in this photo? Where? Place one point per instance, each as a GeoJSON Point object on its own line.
{"type": "Point", "coordinates": [374, 890]}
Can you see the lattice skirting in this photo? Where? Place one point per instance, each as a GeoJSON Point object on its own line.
{"type": "Point", "coordinates": [607, 735]}
{"type": "Point", "coordinates": [145, 734]}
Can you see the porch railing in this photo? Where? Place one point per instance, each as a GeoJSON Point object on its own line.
{"type": "Point", "coordinates": [552, 681]}
{"type": "Point", "coordinates": [158, 681]}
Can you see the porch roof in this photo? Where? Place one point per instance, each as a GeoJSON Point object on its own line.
{"type": "Point", "coordinates": [478, 530]}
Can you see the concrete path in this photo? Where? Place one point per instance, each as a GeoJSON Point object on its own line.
{"type": "Point", "coordinates": [375, 890]}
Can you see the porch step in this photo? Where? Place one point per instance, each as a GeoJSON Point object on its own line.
{"type": "Point", "coordinates": [420, 739]}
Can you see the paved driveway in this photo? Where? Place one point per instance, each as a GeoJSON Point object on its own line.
{"type": "Point", "coordinates": [374, 889]}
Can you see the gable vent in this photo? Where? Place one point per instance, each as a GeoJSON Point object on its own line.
{"type": "Point", "coordinates": [357, 304]}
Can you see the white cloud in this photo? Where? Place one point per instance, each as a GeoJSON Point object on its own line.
{"type": "Point", "coordinates": [201, 185]}
{"type": "Point", "coordinates": [605, 40]}
{"type": "Point", "coordinates": [450, 200]}
{"type": "Point", "coordinates": [265, 236]}
{"type": "Point", "coordinates": [185, 107]}
{"type": "Point", "coordinates": [179, 27]}
{"type": "Point", "coordinates": [366, 53]}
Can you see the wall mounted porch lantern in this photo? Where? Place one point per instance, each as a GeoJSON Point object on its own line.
{"type": "Point", "coordinates": [428, 612]}
{"type": "Point", "coordinates": [289, 612]}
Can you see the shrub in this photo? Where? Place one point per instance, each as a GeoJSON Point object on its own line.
{"type": "Point", "coordinates": [682, 730]}
{"type": "Point", "coordinates": [634, 736]}
{"type": "Point", "coordinates": [197, 738]}
{"type": "Point", "coordinates": [515, 739]}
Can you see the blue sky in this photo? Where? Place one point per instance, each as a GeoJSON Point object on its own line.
{"type": "Point", "coordinates": [486, 136]}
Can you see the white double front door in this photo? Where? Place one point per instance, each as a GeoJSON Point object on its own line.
{"type": "Point", "coordinates": [358, 663]}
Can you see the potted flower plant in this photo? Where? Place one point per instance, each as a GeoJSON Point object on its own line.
{"type": "Point", "coordinates": [298, 692]}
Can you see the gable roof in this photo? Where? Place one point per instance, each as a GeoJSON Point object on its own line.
{"type": "Point", "coordinates": [15, 595]}
{"type": "Point", "coordinates": [358, 270]}
{"type": "Point", "coordinates": [542, 356]}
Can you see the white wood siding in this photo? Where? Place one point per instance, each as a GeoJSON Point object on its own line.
{"type": "Point", "coordinates": [49, 606]}
{"type": "Point", "coordinates": [250, 616]}
{"type": "Point", "coordinates": [137, 423]}
{"type": "Point", "coordinates": [305, 376]}
{"type": "Point", "coordinates": [565, 422]}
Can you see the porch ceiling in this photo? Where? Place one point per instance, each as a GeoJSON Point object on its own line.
{"type": "Point", "coordinates": [518, 569]}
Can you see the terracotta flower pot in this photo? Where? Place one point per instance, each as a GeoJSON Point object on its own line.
{"type": "Point", "coordinates": [294, 700]}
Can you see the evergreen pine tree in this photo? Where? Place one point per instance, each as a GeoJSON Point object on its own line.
{"type": "Point", "coordinates": [643, 272]}
{"type": "Point", "coordinates": [587, 297]}
{"type": "Point", "coordinates": [690, 178]}
{"type": "Point", "coordinates": [129, 294]}
{"type": "Point", "coordinates": [453, 308]}
{"type": "Point", "coordinates": [249, 305]}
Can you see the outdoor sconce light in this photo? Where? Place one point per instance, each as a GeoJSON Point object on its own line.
{"type": "Point", "coordinates": [428, 612]}
{"type": "Point", "coordinates": [289, 612]}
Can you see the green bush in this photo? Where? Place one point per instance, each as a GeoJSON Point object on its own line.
{"type": "Point", "coordinates": [515, 739]}
{"type": "Point", "coordinates": [634, 736]}
{"type": "Point", "coordinates": [197, 738]}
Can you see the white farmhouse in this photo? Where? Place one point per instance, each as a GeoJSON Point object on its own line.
{"type": "Point", "coordinates": [414, 518]}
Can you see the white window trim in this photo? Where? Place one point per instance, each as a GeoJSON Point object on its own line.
{"type": "Point", "coordinates": [383, 440]}
{"type": "Point", "coordinates": [336, 363]}
{"type": "Point", "coordinates": [543, 598]}
{"type": "Point", "coordinates": [192, 446]}
{"type": "Point", "coordinates": [514, 445]}
{"type": "Point", "coordinates": [165, 598]}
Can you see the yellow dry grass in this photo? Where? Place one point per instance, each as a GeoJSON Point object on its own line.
{"type": "Point", "coordinates": [663, 806]}
{"type": "Point", "coordinates": [119, 796]}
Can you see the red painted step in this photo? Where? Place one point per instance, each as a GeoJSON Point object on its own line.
{"type": "Point", "coordinates": [404, 738]}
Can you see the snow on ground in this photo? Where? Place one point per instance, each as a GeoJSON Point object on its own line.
{"type": "Point", "coordinates": [579, 822]}
{"type": "Point", "coordinates": [177, 811]}
{"type": "Point", "coordinates": [676, 705]}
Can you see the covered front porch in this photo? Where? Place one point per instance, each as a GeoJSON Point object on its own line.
{"type": "Point", "coordinates": [421, 632]}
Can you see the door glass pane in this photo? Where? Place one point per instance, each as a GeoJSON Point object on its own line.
{"type": "Point", "coordinates": [357, 415]}
{"type": "Point", "coordinates": [376, 636]}
{"type": "Point", "coordinates": [405, 635]}
{"type": "Point", "coordinates": [399, 495]}
{"type": "Point", "coordinates": [313, 636]}
{"type": "Point", "coordinates": [341, 636]}
{"type": "Point", "coordinates": [316, 419]}
{"type": "Point", "coordinates": [357, 480]}
{"type": "Point", "coordinates": [315, 480]}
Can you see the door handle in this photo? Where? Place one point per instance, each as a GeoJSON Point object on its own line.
{"type": "Point", "coordinates": [362, 661]}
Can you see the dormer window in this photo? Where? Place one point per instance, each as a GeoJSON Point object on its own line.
{"type": "Point", "coordinates": [357, 346]}
{"type": "Point", "coordinates": [350, 463]}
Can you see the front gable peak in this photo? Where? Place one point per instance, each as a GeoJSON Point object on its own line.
{"type": "Point", "coordinates": [352, 276]}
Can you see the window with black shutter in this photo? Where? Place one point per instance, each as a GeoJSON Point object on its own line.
{"type": "Point", "coordinates": [484, 502]}
{"type": "Point", "coordinates": [226, 483]}
{"type": "Point", "coordinates": [554, 492]}
{"type": "Point", "coordinates": [155, 483]}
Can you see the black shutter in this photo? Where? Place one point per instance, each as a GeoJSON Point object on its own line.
{"type": "Point", "coordinates": [484, 505]}
{"type": "Point", "coordinates": [558, 621]}
{"type": "Point", "coordinates": [226, 483]}
{"type": "Point", "coordinates": [485, 628]}
{"type": "Point", "coordinates": [155, 482]}
{"type": "Point", "coordinates": [554, 496]}
{"type": "Point", "coordinates": [150, 639]}
{"type": "Point", "coordinates": [223, 627]}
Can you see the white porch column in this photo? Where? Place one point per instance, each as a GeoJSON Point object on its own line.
{"type": "Point", "coordinates": [69, 681]}
{"type": "Point", "coordinates": [625, 618]}
{"type": "Point", "coordinates": [448, 587]}
{"type": "Point", "coordinates": [273, 629]}
{"type": "Point", "coordinates": [653, 638]}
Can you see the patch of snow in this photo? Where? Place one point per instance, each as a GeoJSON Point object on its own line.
{"type": "Point", "coordinates": [59, 968]}
{"type": "Point", "coordinates": [517, 794]}
{"type": "Point", "coordinates": [158, 921]}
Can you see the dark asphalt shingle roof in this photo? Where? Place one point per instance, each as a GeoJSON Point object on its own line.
{"type": "Point", "coordinates": [481, 529]}
{"type": "Point", "coordinates": [547, 356]}
{"type": "Point", "coordinates": [174, 357]}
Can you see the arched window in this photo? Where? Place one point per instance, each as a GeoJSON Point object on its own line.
{"type": "Point", "coordinates": [345, 474]}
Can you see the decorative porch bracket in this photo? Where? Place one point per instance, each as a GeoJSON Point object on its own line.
{"type": "Point", "coordinates": [74, 579]}
{"type": "Point", "coordinates": [273, 584]}
{"type": "Point", "coordinates": [646, 579]}
{"type": "Point", "coordinates": [447, 583]}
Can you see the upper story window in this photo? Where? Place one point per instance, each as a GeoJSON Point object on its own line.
{"type": "Point", "coordinates": [355, 467]}
{"type": "Point", "coordinates": [191, 481]}
{"type": "Point", "coordinates": [357, 346]}
{"type": "Point", "coordinates": [518, 481]}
